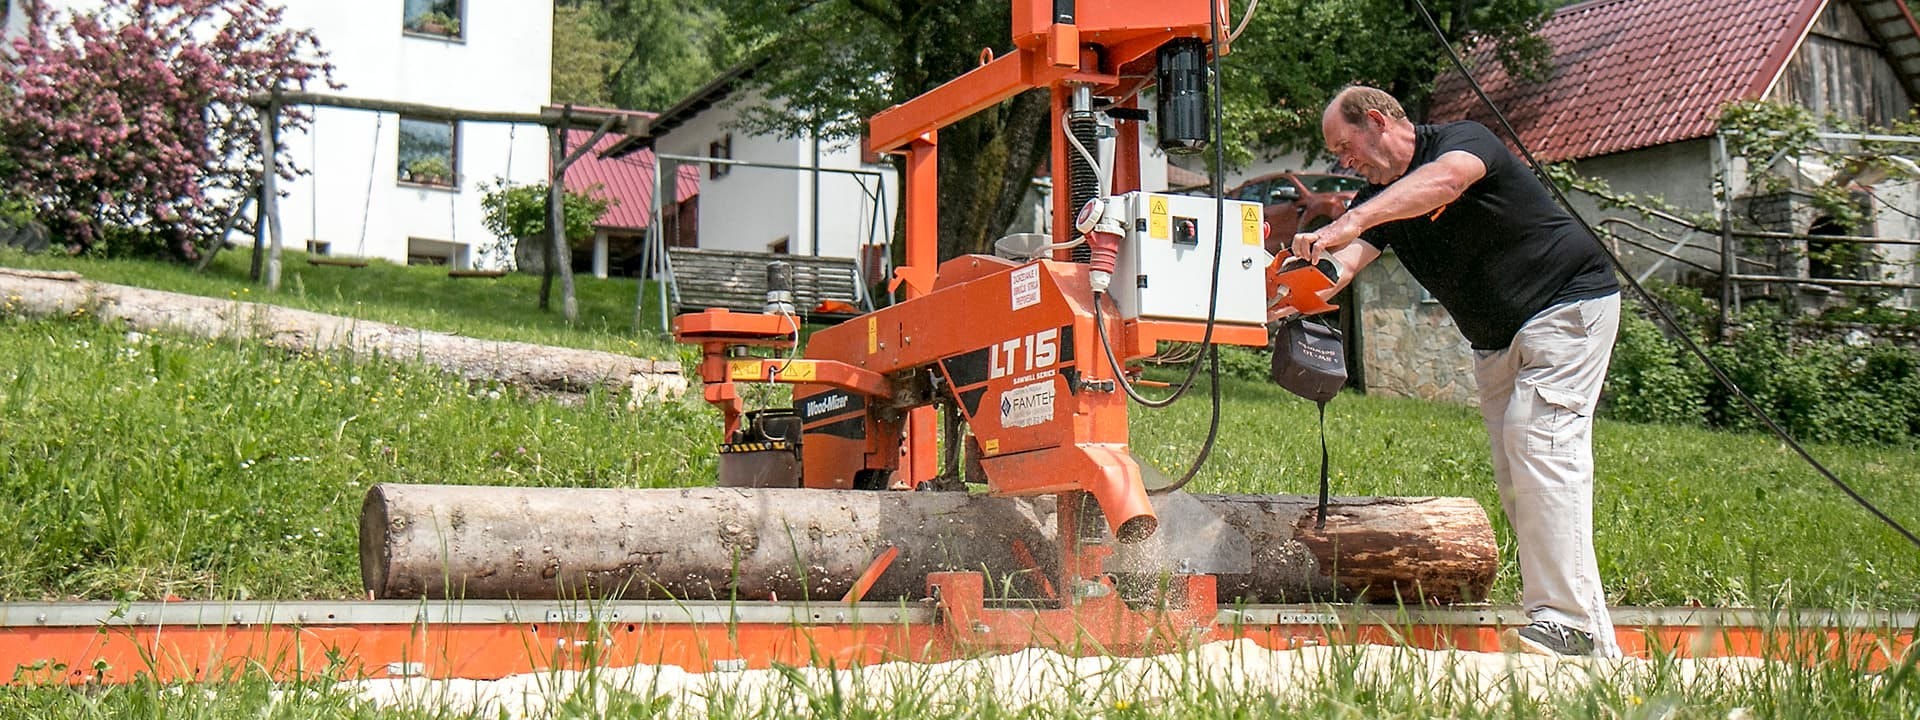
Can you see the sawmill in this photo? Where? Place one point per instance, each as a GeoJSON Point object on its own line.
{"type": "Point", "coordinates": [967, 446]}
{"type": "Point", "coordinates": [950, 475]}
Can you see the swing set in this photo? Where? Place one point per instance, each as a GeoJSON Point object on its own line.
{"type": "Point", "coordinates": [263, 195]}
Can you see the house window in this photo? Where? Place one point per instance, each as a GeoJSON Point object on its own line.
{"type": "Point", "coordinates": [439, 18]}
{"type": "Point", "coordinates": [429, 152]}
{"type": "Point", "coordinates": [721, 149]}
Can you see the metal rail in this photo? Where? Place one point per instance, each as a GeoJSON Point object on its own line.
{"type": "Point", "coordinates": [495, 612]}
{"type": "Point", "coordinates": [103, 642]}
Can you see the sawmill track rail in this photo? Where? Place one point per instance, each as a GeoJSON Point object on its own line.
{"type": "Point", "coordinates": [106, 642]}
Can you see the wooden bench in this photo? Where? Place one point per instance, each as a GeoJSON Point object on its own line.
{"type": "Point", "coordinates": [737, 281]}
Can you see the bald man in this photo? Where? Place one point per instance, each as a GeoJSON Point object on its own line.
{"type": "Point", "coordinates": [1535, 297]}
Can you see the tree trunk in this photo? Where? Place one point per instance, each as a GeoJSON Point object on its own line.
{"type": "Point", "coordinates": [270, 188]}
{"type": "Point", "coordinates": [442, 541]}
{"type": "Point", "coordinates": [561, 257]}
{"type": "Point", "coordinates": [535, 367]}
{"type": "Point", "coordinates": [1025, 137]}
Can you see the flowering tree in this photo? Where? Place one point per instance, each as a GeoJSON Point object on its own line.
{"type": "Point", "coordinates": [136, 113]}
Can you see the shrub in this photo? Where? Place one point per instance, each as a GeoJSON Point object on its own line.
{"type": "Point", "coordinates": [1817, 390]}
{"type": "Point", "coordinates": [132, 113]}
{"type": "Point", "coordinates": [514, 212]}
{"type": "Point", "coordinates": [1243, 363]}
{"type": "Point", "coordinates": [1649, 380]}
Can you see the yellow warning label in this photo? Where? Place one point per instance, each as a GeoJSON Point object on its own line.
{"type": "Point", "coordinates": [1250, 225]}
{"type": "Point", "coordinates": [1157, 218]}
{"type": "Point", "coordinates": [756, 370]}
{"type": "Point", "coordinates": [873, 335]}
{"type": "Point", "coordinates": [992, 447]}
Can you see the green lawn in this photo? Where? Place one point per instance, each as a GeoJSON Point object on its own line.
{"type": "Point", "coordinates": [137, 466]}
{"type": "Point", "coordinates": [157, 465]}
{"type": "Point", "coordinates": [504, 308]}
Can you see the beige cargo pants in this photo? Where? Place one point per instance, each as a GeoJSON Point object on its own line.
{"type": "Point", "coordinates": [1537, 398]}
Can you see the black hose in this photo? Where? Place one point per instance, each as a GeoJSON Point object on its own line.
{"type": "Point", "coordinates": [1213, 298]}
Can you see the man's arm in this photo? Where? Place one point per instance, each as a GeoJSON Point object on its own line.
{"type": "Point", "coordinates": [1422, 191]}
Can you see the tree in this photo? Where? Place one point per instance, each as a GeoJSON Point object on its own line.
{"type": "Point", "coordinates": [136, 114]}
{"type": "Point", "coordinates": [582, 59]}
{"type": "Point", "coordinates": [1295, 53]}
{"type": "Point", "coordinates": [664, 48]}
{"type": "Point", "coordinates": [834, 63]}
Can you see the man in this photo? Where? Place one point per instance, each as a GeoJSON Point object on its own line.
{"type": "Point", "coordinates": [1533, 294]}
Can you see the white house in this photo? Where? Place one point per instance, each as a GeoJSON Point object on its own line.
{"type": "Point", "coordinates": [399, 188]}
{"type": "Point", "coordinates": [376, 189]}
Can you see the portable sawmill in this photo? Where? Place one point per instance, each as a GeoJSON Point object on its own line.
{"type": "Point", "coordinates": [968, 445]}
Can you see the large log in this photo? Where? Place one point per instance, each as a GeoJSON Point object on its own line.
{"type": "Point", "coordinates": [536, 367]}
{"type": "Point", "coordinates": [442, 541]}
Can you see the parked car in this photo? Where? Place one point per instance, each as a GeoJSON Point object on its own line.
{"type": "Point", "coordinates": [1298, 202]}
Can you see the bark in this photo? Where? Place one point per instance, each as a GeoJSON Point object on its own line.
{"type": "Point", "coordinates": [1028, 120]}
{"type": "Point", "coordinates": [443, 541]}
{"type": "Point", "coordinates": [536, 367]}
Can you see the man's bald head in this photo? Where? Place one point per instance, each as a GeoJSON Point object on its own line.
{"type": "Point", "coordinates": [1367, 130]}
{"type": "Point", "coordinates": [1353, 102]}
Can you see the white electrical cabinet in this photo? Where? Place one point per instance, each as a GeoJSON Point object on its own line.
{"type": "Point", "coordinates": [1166, 264]}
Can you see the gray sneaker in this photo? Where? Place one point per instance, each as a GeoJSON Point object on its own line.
{"type": "Point", "coordinates": [1542, 637]}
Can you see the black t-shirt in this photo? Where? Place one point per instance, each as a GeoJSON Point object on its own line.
{"type": "Point", "coordinates": [1500, 253]}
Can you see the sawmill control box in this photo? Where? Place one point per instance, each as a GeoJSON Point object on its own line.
{"type": "Point", "coordinates": [1166, 261]}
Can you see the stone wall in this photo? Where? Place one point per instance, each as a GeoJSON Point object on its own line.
{"type": "Point", "coordinates": [1409, 346]}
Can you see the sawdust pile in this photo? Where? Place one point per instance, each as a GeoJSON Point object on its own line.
{"type": "Point", "coordinates": [1040, 680]}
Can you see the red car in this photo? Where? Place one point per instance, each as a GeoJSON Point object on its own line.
{"type": "Point", "coordinates": [1298, 202]}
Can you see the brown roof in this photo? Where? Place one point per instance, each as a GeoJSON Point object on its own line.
{"type": "Point", "coordinates": [1631, 74]}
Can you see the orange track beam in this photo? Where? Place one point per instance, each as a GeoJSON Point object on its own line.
{"type": "Point", "coordinates": [112, 643]}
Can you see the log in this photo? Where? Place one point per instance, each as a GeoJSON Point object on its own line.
{"type": "Point", "coordinates": [535, 367]}
{"type": "Point", "coordinates": [449, 541]}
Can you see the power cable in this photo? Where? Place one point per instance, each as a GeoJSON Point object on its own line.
{"type": "Point", "coordinates": [1718, 373]}
{"type": "Point", "coordinates": [1213, 297]}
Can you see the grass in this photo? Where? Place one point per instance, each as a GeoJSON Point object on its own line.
{"type": "Point", "coordinates": [1336, 682]}
{"type": "Point", "coordinates": [142, 467]}
{"type": "Point", "coordinates": [503, 308]}
{"type": "Point", "coordinates": [156, 465]}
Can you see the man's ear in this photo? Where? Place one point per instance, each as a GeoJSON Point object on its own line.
{"type": "Point", "coordinates": [1377, 119]}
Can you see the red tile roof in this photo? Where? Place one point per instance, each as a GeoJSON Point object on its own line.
{"type": "Point", "coordinates": [629, 180]}
{"type": "Point", "coordinates": [1631, 74]}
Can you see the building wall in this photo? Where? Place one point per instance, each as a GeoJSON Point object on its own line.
{"type": "Point", "coordinates": [1679, 174]}
{"type": "Point", "coordinates": [1839, 69]}
{"type": "Point", "coordinates": [752, 208]}
{"type": "Point", "coordinates": [1409, 345]}
{"type": "Point", "coordinates": [501, 63]}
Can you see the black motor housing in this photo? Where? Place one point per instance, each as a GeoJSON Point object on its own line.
{"type": "Point", "coordinates": [1181, 98]}
{"type": "Point", "coordinates": [764, 452]}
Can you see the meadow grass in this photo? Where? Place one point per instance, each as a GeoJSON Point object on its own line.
{"type": "Point", "coordinates": [504, 308]}
{"type": "Point", "coordinates": [1335, 682]}
{"type": "Point", "coordinates": [152, 465]}
{"type": "Point", "coordinates": [142, 467]}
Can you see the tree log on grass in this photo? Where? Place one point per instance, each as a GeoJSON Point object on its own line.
{"type": "Point", "coordinates": [539, 368]}
{"type": "Point", "coordinates": [441, 541]}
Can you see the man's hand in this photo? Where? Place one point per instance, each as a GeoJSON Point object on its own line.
{"type": "Point", "coordinates": [1336, 235]}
